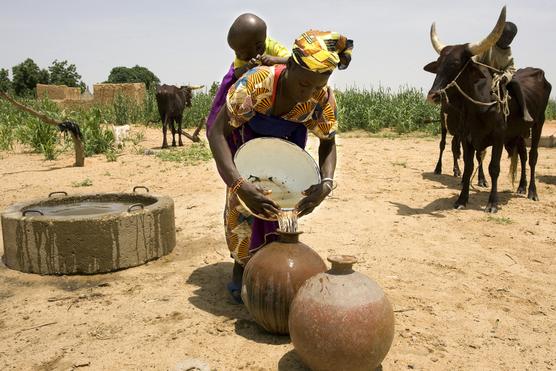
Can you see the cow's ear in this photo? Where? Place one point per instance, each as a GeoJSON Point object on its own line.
{"type": "Point", "coordinates": [432, 67]}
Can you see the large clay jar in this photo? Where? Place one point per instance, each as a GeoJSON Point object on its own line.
{"type": "Point", "coordinates": [341, 320]}
{"type": "Point", "coordinates": [273, 276]}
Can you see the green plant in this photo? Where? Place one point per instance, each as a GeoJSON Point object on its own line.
{"type": "Point", "coordinates": [375, 109]}
{"type": "Point", "coordinates": [97, 139]}
{"type": "Point", "coordinates": [136, 137]}
{"type": "Point", "coordinates": [84, 183]}
{"type": "Point", "coordinates": [195, 153]}
{"type": "Point", "coordinates": [199, 110]}
{"type": "Point", "coordinates": [550, 113]}
{"type": "Point", "coordinates": [150, 112]}
{"type": "Point", "coordinates": [499, 220]}
{"type": "Point", "coordinates": [122, 110]}
{"type": "Point", "coordinates": [41, 137]}
{"type": "Point", "coordinates": [111, 155]}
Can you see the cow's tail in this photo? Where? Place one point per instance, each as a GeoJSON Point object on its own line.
{"type": "Point", "coordinates": [512, 149]}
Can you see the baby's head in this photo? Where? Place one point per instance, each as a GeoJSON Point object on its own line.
{"type": "Point", "coordinates": [247, 36]}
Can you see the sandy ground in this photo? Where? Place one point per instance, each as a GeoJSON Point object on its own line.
{"type": "Point", "coordinates": [471, 291]}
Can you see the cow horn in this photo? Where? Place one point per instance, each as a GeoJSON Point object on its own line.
{"type": "Point", "coordinates": [195, 87]}
{"type": "Point", "coordinates": [436, 44]}
{"type": "Point", "coordinates": [485, 44]}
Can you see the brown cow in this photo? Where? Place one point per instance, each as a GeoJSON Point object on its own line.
{"type": "Point", "coordinates": [466, 86]}
{"type": "Point", "coordinates": [171, 102]}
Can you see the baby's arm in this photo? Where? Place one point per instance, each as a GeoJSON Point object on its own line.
{"type": "Point", "coordinates": [269, 60]}
{"type": "Point", "coordinates": [246, 67]}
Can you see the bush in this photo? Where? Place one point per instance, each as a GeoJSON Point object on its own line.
{"type": "Point", "coordinates": [551, 110]}
{"type": "Point", "coordinates": [31, 131]}
{"type": "Point", "coordinates": [376, 109]}
{"type": "Point", "coordinates": [96, 139]}
{"type": "Point", "coordinates": [199, 110]}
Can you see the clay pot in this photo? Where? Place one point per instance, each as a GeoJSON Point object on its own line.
{"type": "Point", "coordinates": [341, 320]}
{"type": "Point", "coordinates": [273, 276]}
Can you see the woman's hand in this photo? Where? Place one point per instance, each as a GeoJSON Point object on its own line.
{"type": "Point", "coordinates": [255, 199]}
{"type": "Point", "coordinates": [313, 197]}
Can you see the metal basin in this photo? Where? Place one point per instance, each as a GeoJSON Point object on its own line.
{"type": "Point", "coordinates": [87, 234]}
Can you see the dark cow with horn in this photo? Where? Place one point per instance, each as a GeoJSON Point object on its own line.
{"type": "Point", "coordinates": [450, 123]}
{"type": "Point", "coordinates": [487, 119]}
{"type": "Point", "coordinates": [171, 101]}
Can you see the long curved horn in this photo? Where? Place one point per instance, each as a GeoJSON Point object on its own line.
{"type": "Point", "coordinates": [195, 87]}
{"type": "Point", "coordinates": [436, 44]}
{"type": "Point", "coordinates": [485, 44]}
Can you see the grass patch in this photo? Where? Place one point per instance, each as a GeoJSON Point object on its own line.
{"type": "Point", "coordinates": [111, 155]}
{"type": "Point", "coordinates": [399, 163]}
{"type": "Point", "coordinates": [84, 183]}
{"type": "Point", "coordinates": [499, 220]}
{"type": "Point", "coordinates": [136, 138]}
{"type": "Point", "coordinates": [192, 155]}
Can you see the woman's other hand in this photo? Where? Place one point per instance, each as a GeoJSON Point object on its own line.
{"type": "Point", "coordinates": [255, 199]}
{"type": "Point", "coordinates": [314, 195]}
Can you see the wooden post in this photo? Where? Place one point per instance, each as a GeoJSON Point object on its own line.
{"type": "Point", "coordinates": [77, 140]}
{"type": "Point", "coordinates": [195, 136]}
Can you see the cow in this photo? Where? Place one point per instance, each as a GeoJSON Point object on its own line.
{"type": "Point", "coordinates": [466, 85]}
{"type": "Point", "coordinates": [450, 123]}
{"type": "Point", "coordinates": [171, 101]}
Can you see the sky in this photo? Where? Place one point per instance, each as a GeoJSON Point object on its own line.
{"type": "Point", "coordinates": [185, 41]}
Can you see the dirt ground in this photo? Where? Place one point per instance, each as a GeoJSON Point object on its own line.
{"type": "Point", "coordinates": [470, 290]}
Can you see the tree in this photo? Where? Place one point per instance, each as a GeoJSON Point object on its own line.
{"type": "Point", "coordinates": [63, 74]}
{"type": "Point", "coordinates": [5, 83]}
{"type": "Point", "coordinates": [120, 75]}
{"type": "Point", "coordinates": [26, 76]}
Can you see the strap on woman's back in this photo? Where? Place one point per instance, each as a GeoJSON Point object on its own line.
{"type": "Point", "coordinates": [278, 68]}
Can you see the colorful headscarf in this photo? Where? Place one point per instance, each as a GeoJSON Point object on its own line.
{"type": "Point", "coordinates": [322, 51]}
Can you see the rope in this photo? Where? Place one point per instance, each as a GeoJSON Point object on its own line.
{"type": "Point", "coordinates": [501, 95]}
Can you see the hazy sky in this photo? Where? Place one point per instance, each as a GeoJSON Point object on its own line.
{"type": "Point", "coordinates": [185, 41]}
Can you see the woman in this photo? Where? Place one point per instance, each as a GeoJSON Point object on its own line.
{"type": "Point", "coordinates": [282, 101]}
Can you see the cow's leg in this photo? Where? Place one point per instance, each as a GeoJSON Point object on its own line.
{"type": "Point", "coordinates": [456, 152]}
{"type": "Point", "coordinates": [438, 168]}
{"type": "Point", "coordinates": [533, 156]}
{"type": "Point", "coordinates": [482, 179]}
{"type": "Point", "coordinates": [173, 121]}
{"type": "Point", "coordinates": [522, 150]}
{"type": "Point", "coordinates": [164, 129]}
{"type": "Point", "coordinates": [468, 163]}
{"type": "Point", "coordinates": [179, 119]}
{"type": "Point", "coordinates": [494, 171]}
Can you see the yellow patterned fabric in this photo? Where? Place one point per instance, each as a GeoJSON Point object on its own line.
{"type": "Point", "coordinates": [254, 92]}
{"type": "Point", "coordinates": [322, 51]}
{"type": "Point", "coordinates": [273, 48]}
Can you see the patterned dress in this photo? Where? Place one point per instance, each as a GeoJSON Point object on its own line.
{"type": "Point", "coordinates": [249, 102]}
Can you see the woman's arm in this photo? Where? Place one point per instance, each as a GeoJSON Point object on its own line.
{"type": "Point", "coordinates": [252, 196]}
{"type": "Point", "coordinates": [318, 192]}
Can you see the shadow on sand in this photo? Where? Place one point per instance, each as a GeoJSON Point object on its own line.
{"type": "Point", "coordinates": [547, 179]}
{"type": "Point", "coordinates": [291, 361]}
{"type": "Point", "coordinates": [212, 297]}
{"type": "Point", "coordinates": [477, 201]}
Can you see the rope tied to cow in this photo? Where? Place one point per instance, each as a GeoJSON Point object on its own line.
{"type": "Point", "coordinates": [501, 96]}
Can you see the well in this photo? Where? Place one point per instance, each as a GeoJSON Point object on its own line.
{"type": "Point", "coordinates": [87, 234]}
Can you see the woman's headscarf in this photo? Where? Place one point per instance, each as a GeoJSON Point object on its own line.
{"type": "Point", "coordinates": [322, 51]}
